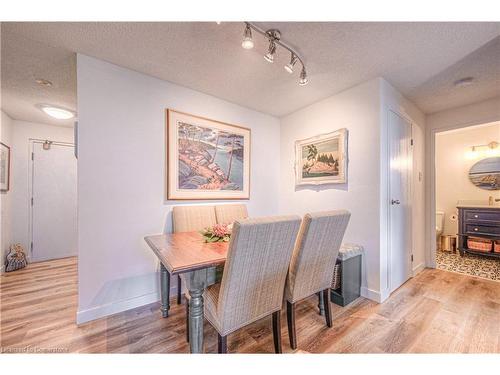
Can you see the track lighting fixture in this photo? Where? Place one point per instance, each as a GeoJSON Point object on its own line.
{"type": "Point", "coordinates": [270, 52]}
{"type": "Point", "coordinates": [274, 38]}
{"type": "Point", "coordinates": [289, 66]}
{"type": "Point", "coordinates": [303, 77]}
{"type": "Point", "coordinates": [247, 38]}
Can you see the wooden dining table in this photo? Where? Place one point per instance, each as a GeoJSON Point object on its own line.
{"type": "Point", "coordinates": [187, 253]}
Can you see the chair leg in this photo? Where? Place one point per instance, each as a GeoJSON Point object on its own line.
{"type": "Point", "coordinates": [187, 320]}
{"type": "Point", "coordinates": [328, 311]}
{"type": "Point", "coordinates": [290, 317]}
{"type": "Point", "coordinates": [221, 344]}
{"type": "Point", "coordinates": [277, 332]}
{"type": "Point", "coordinates": [179, 290]}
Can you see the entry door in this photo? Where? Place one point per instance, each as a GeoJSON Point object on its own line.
{"type": "Point", "coordinates": [400, 200]}
{"type": "Point", "coordinates": [54, 230]}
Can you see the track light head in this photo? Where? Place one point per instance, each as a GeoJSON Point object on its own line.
{"type": "Point", "coordinates": [270, 52]}
{"type": "Point", "coordinates": [247, 42]}
{"type": "Point", "coordinates": [303, 77]}
{"type": "Point", "coordinates": [289, 66]}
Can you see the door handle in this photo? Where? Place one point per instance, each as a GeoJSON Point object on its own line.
{"type": "Point", "coordinates": [395, 201]}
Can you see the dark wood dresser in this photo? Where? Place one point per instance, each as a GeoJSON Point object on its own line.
{"type": "Point", "coordinates": [479, 222]}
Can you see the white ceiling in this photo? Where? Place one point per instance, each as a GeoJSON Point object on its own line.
{"type": "Point", "coordinates": [420, 59]}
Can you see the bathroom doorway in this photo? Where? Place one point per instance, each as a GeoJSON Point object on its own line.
{"type": "Point", "coordinates": [467, 200]}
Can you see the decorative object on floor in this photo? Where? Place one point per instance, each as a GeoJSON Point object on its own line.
{"type": "Point", "coordinates": [274, 38]}
{"type": "Point", "coordinates": [4, 167]}
{"type": "Point", "coordinates": [321, 159]}
{"type": "Point", "coordinates": [206, 159]}
{"type": "Point", "coordinates": [217, 233]}
{"type": "Point", "coordinates": [485, 174]}
{"type": "Point", "coordinates": [16, 258]}
{"type": "Point", "coordinates": [469, 264]}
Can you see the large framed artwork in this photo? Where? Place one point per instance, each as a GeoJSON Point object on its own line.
{"type": "Point", "coordinates": [206, 159]}
{"type": "Point", "coordinates": [321, 159]}
{"type": "Point", "coordinates": [4, 167]}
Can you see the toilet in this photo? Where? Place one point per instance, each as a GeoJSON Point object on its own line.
{"type": "Point", "coordinates": [439, 224]}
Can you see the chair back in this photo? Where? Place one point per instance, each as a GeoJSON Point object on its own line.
{"type": "Point", "coordinates": [193, 218]}
{"type": "Point", "coordinates": [315, 254]}
{"type": "Point", "coordinates": [255, 270]}
{"type": "Point", "coordinates": [229, 213]}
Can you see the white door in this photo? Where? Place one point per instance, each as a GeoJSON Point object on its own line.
{"type": "Point", "coordinates": [54, 230]}
{"type": "Point", "coordinates": [401, 161]}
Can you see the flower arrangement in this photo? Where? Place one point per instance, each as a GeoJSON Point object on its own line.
{"type": "Point", "coordinates": [217, 233]}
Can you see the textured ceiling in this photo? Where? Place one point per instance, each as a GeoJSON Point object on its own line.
{"type": "Point", "coordinates": [420, 59]}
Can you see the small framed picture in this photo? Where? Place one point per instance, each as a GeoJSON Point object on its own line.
{"type": "Point", "coordinates": [4, 167]}
{"type": "Point", "coordinates": [321, 159]}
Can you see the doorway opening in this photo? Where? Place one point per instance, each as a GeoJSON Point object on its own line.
{"type": "Point", "coordinates": [467, 200]}
{"type": "Point", "coordinates": [52, 200]}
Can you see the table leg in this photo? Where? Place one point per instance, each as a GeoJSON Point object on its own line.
{"type": "Point", "coordinates": [164, 290]}
{"type": "Point", "coordinates": [196, 283]}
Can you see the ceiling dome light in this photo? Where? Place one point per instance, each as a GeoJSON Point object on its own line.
{"type": "Point", "coordinates": [270, 52]}
{"type": "Point", "coordinates": [289, 66]}
{"type": "Point", "coordinates": [57, 113]}
{"type": "Point", "coordinates": [303, 77]}
{"type": "Point", "coordinates": [247, 38]}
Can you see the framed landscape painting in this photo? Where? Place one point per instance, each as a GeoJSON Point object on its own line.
{"type": "Point", "coordinates": [4, 167]}
{"type": "Point", "coordinates": [206, 159]}
{"type": "Point", "coordinates": [321, 159]}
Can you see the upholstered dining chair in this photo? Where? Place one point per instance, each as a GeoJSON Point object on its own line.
{"type": "Point", "coordinates": [254, 276]}
{"type": "Point", "coordinates": [189, 219]}
{"type": "Point", "coordinates": [313, 261]}
{"type": "Point", "coordinates": [229, 213]}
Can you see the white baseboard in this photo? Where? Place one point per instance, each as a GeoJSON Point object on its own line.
{"type": "Point", "coordinates": [417, 269]}
{"type": "Point", "coordinates": [374, 295]}
{"type": "Point", "coordinates": [84, 316]}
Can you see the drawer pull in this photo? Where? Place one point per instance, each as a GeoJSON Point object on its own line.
{"type": "Point", "coordinates": [476, 229]}
{"type": "Point", "coordinates": [476, 216]}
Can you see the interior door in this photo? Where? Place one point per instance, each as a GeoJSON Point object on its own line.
{"type": "Point", "coordinates": [54, 229]}
{"type": "Point", "coordinates": [400, 200]}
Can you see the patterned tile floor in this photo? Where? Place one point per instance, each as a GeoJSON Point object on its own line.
{"type": "Point", "coordinates": [474, 265]}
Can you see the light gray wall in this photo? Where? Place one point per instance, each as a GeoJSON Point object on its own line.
{"type": "Point", "coordinates": [5, 197]}
{"type": "Point", "coordinates": [358, 110]}
{"type": "Point", "coordinates": [121, 169]}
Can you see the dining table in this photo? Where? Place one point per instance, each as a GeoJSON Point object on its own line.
{"type": "Point", "coordinates": [188, 254]}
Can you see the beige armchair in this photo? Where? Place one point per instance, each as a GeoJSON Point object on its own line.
{"type": "Point", "coordinates": [313, 262]}
{"type": "Point", "coordinates": [254, 276]}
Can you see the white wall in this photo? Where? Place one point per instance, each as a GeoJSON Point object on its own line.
{"type": "Point", "coordinates": [452, 169]}
{"type": "Point", "coordinates": [21, 133]}
{"type": "Point", "coordinates": [358, 110]}
{"type": "Point", "coordinates": [363, 110]}
{"type": "Point", "coordinates": [121, 169]}
{"type": "Point", "coordinates": [474, 114]}
{"type": "Point", "coordinates": [5, 197]}
{"type": "Point", "coordinates": [393, 101]}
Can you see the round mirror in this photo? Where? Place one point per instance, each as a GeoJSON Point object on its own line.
{"type": "Point", "coordinates": [485, 174]}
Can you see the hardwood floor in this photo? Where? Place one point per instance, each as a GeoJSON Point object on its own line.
{"type": "Point", "coordinates": [435, 312]}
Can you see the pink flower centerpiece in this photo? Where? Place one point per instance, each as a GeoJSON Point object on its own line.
{"type": "Point", "coordinates": [217, 233]}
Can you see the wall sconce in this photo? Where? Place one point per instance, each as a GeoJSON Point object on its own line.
{"type": "Point", "coordinates": [484, 151]}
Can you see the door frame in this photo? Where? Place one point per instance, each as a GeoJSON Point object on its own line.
{"type": "Point", "coordinates": [31, 170]}
{"type": "Point", "coordinates": [430, 252]}
{"type": "Point", "coordinates": [410, 205]}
